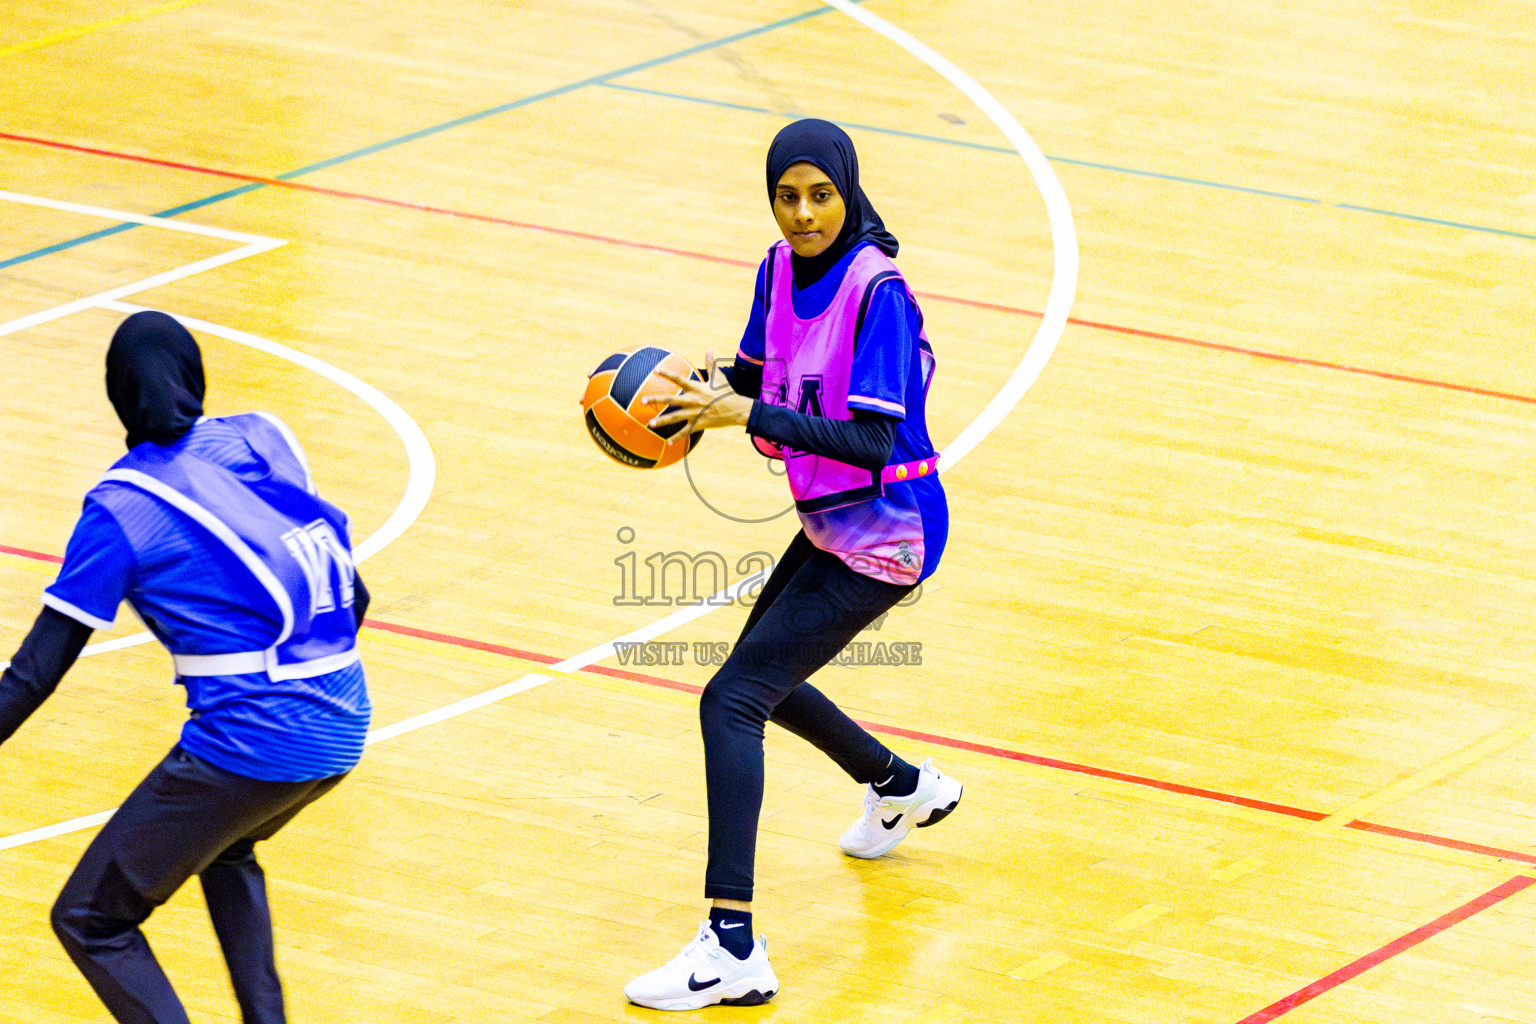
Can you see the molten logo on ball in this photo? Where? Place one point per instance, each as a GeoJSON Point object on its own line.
{"type": "Point", "coordinates": [616, 416]}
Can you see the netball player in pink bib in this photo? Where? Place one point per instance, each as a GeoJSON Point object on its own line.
{"type": "Point", "coordinates": [831, 376]}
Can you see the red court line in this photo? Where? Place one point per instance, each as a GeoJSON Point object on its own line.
{"type": "Point", "coordinates": [1098, 773]}
{"type": "Point", "coordinates": [115, 155]}
{"type": "Point", "coordinates": [1452, 844]}
{"type": "Point", "coordinates": [513, 652]}
{"type": "Point", "coordinates": [890, 730]}
{"type": "Point", "coordinates": [645, 246]}
{"type": "Point", "coordinates": [6, 549]}
{"type": "Point", "coordinates": [1302, 361]}
{"type": "Point", "coordinates": [1003, 752]}
{"type": "Point", "coordinates": [944, 741]}
{"type": "Point", "coordinates": [1389, 951]}
{"type": "Point", "coordinates": [381, 200]}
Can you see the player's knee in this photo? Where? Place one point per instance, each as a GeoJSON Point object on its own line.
{"type": "Point", "coordinates": [722, 707]}
{"type": "Point", "coordinates": [712, 706]}
{"type": "Point", "coordinates": [64, 918]}
{"type": "Point", "coordinates": [78, 925]}
{"type": "Point", "coordinates": [83, 919]}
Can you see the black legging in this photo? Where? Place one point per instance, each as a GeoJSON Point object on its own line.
{"type": "Point", "coordinates": [187, 818]}
{"type": "Point", "coordinates": [808, 611]}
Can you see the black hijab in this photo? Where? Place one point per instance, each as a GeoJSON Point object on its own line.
{"type": "Point", "coordinates": [155, 378]}
{"type": "Point", "coordinates": [827, 146]}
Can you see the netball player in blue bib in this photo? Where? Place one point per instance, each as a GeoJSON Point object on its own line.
{"type": "Point", "coordinates": [832, 376]}
{"type": "Point", "coordinates": [211, 529]}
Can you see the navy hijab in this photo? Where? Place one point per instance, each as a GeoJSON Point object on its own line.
{"type": "Point", "coordinates": [155, 378]}
{"type": "Point", "coordinates": [828, 147]}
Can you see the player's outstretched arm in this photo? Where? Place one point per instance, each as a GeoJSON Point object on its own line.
{"type": "Point", "coordinates": [49, 650]}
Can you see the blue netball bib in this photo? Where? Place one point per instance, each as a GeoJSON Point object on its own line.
{"type": "Point", "coordinates": [294, 544]}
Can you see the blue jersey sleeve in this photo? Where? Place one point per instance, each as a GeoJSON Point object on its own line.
{"type": "Point", "coordinates": [884, 352]}
{"type": "Point", "coordinates": [98, 570]}
{"type": "Point", "coordinates": [754, 340]}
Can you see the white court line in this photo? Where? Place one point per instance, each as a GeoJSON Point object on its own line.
{"type": "Point", "coordinates": [1058, 211]}
{"type": "Point", "coordinates": [574, 663]}
{"type": "Point", "coordinates": [148, 220]}
{"type": "Point", "coordinates": [420, 480]}
{"type": "Point", "coordinates": [102, 648]}
{"type": "Point", "coordinates": [251, 245]}
{"type": "Point", "coordinates": [421, 471]}
{"type": "Point", "coordinates": [122, 291]}
{"type": "Point", "coordinates": [1041, 346]}
{"type": "Point", "coordinates": [37, 835]}
{"type": "Point", "coordinates": [448, 711]}
{"type": "Point", "coordinates": [421, 463]}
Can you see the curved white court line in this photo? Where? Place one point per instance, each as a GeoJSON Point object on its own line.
{"type": "Point", "coordinates": [1063, 233]}
{"type": "Point", "coordinates": [422, 476]}
{"type": "Point", "coordinates": [422, 464]}
{"type": "Point", "coordinates": [1041, 347]}
{"type": "Point", "coordinates": [422, 472]}
{"type": "Point", "coordinates": [252, 245]}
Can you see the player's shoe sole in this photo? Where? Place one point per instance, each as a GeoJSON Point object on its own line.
{"type": "Point", "coordinates": [752, 998]}
{"type": "Point", "coordinates": [727, 981]}
{"type": "Point", "coordinates": [887, 820]}
{"type": "Point", "coordinates": [940, 813]}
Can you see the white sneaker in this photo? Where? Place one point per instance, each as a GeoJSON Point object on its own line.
{"type": "Point", "coordinates": [888, 819]}
{"type": "Point", "coordinates": [705, 973]}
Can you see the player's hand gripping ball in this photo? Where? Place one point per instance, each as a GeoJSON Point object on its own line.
{"type": "Point", "coordinates": [617, 420]}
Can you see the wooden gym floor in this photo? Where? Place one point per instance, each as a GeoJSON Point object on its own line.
{"type": "Point", "coordinates": [1231, 642]}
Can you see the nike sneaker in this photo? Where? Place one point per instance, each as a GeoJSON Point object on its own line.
{"type": "Point", "coordinates": [704, 974]}
{"type": "Point", "coordinates": [887, 819]}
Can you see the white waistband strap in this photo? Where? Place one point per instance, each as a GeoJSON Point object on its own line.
{"type": "Point", "coordinates": [240, 664]}
{"type": "Point", "coordinates": [250, 662]}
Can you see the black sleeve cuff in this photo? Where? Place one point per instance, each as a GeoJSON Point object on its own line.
{"type": "Point", "coordinates": [745, 379]}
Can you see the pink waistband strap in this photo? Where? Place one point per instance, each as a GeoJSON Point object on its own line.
{"type": "Point", "coordinates": [909, 470]}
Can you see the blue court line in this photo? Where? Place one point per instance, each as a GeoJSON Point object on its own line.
{"type": "Point", "coordinates": [48, 250]}
{"type": "Point", "coordinates": [457, 122]}
{"type": "Point", "coordinates": [1087, 163]}
{"type": "Point", "coordinates": [970, 145]}
{"type": "Point", "coordinates": [1434, 220]}
{"type": "Point", "coordinates": [119, 228]}
{"type": "Point", "coordinates": [1183, 180]}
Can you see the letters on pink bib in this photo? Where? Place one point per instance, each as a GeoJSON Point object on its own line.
{"type": "Point", "coordinates": [808, 367]}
